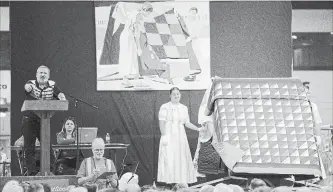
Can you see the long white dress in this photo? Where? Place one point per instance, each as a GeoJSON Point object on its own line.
{"type": "Point", "coordinates": [175, 163]}
{"type": "Point", "coordinates": [125, 14]}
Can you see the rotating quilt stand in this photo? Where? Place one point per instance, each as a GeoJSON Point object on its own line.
{"type": "Point", "coordinates": [219, 181]}
{"type": "Point", "coordinates": [277, 121]}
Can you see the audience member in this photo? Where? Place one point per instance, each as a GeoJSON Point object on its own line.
{"type": "Point", "coordinates": [11, 186]}
{"type": "Point", "coordinates": [207, 188]}
{"type": "Point", "coordinates": [283, 189]}
{"type": "Point", "coordinates": [179, 186]}
{"type": "Point", "coordinates": [132, 188]}
{"type": "Point", "coordinates": [262, 189]}
{"type": "Point", "coordinates": [47, 188]}
{"type": "Point", "coordinates": [221, 187]}
{"type": "Point", "coordinates": [302, 189]}
{"type": "Point", "coordinates": [327, 189]}
{"type": "Point", "coordinates": [256, 183]}
{"type": "Point", "coordinates": [70, 187]}
{"type": "Point", "coordinates": [236, 188]}
{"type": "Point", "coordinates": [128, 178]}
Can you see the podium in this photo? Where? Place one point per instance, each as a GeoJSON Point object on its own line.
{"type": "Point", "coordinates": [45, 109]}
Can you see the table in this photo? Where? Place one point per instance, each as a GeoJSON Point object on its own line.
{"type": "Point", "coordinates": [57, 148]}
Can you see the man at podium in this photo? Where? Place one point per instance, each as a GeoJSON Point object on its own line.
{"type": "Point", "coordinates": [40, 89]}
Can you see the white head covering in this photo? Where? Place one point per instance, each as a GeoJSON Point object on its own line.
{"type": "Point", "coordinates": [128, 178]}
{"type": "Point", "coordinates": [12, 185]}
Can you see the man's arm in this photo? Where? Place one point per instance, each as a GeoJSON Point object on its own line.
{"type": "Point", "coordinates": [57, 92]}
{"type": "Point", "coordinates": [28, 87]}
{"type": "Point", "coordinates": [81, 174]}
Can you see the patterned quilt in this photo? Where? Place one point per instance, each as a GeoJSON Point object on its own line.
{"type": "Point", "coordinates": [270, 120]}
{"type": "Point", "coordinates": [166, 36]}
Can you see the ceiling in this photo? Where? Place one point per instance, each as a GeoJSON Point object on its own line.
{"type": "Point", "coordinates": [312, 4]}
{"type": "Point", "coordinates": [295, 4]}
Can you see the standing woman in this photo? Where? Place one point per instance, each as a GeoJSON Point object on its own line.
{"type": "Point", "coordinates": [66, 163]}
{"type": "Point", "coordinates": [175, 163]}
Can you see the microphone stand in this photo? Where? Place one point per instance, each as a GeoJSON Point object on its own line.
{"type": "Point", "coordinates": [77, 101]}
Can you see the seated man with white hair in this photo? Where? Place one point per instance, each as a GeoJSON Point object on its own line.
{"type": "Point", "coordinates": [91, 168]}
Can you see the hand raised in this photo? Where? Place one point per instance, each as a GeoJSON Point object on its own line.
{"type": "Point", "coordinates": [28, 88]}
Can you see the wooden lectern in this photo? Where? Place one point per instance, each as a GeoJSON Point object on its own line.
{"type": "Point", "coordinates": [45, 110]}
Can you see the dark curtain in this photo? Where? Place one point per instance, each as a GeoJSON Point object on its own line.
{"type": "Point", "coordinates": [61, 35]}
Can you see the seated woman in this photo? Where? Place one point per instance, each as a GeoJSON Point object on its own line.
{"type": "Point", "coordinates": [66, 160]}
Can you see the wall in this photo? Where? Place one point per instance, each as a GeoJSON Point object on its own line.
{"type": "Point", "coordinates": [251, 39]}
{"type": "Point", "coordinates": [306, 20]}
{"type": "Point", "coordinates": [321, 83]}
{"type": "Point", "coordinates": [5, 84]}
{"type": "Point", "coordinates": [309, 20]}
{"type": "Point", "coordinates": [61, 35]}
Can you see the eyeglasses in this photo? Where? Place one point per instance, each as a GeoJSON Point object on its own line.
{"type": "Point", "coordinates": [96, 150]}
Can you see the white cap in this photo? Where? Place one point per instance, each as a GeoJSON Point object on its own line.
{"type": "Point", "coordinates": [128, 178]}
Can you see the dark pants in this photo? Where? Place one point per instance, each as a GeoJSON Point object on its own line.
{"type": "Point", "coordinates": [31, 131]}
{"type": "Point", "coordinates": [66, 165]}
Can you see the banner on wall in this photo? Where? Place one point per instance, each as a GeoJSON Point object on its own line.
{"type": "Point", "coordinates": [4, 18]}
{"type": "Point", "coordinates": [152, 45]}
{"type": "Point", "coordinates": [5, 85]}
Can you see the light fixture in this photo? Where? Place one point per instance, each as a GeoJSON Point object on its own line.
{"type": "Point", "coordinates": [294, 37]}
{"type": "Point", "coordinates": [3, 114]}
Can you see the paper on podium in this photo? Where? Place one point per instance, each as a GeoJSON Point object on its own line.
{"type": "Point", "coordinates": [106, 174]}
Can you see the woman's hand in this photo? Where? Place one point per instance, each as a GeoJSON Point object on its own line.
{"type": "Point", "coordinates": [164, 140]}
{"type": "Point", "coordinates": [69, 136]}
{"type": "Point", "coordinates": [195, 163]}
